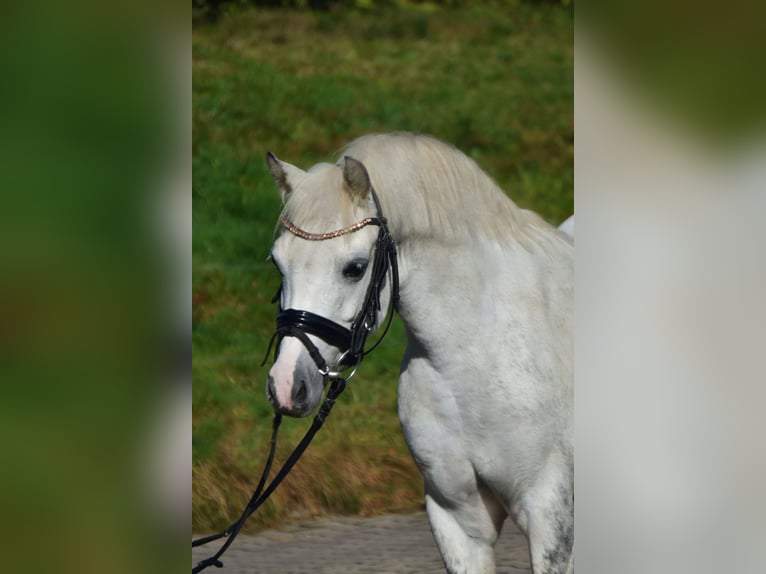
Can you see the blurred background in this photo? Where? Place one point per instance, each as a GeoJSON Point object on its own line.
{"type": "Point", "coordinates": [95, 229]}
{"type": "Point", "coordinates": [302, 80]}
{"type": "Point", "coordinates": [670, 173]}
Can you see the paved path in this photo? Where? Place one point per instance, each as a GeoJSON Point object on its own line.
{"type": "Point", "coordinates": [394, 544]}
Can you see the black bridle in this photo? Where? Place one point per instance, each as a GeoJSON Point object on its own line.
{"type": "Point", "coordinates": [350, 341]}
{"type": "Point", "coordinates": [301, 324]}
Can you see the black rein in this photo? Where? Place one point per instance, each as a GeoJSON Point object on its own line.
{"type": "Point", "coordinates": [301, 324]}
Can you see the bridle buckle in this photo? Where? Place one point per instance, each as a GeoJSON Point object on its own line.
{"type": "Point", "coordinates": [339, 372]}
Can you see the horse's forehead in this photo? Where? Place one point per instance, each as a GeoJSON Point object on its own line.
{"type": "Point", "coordinates": [302, 257]}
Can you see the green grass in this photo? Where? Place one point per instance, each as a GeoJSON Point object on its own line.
{"type": "Point", "coordinates": [496, 82]}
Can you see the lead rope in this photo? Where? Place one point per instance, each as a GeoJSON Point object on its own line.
{"type": "Point", "coordinates": [337, 386]}
{"type": "Point", "coordinates": [385, 260]}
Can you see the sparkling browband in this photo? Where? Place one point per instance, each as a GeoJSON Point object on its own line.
{"type": "Point", "coordinates": [330, 234]}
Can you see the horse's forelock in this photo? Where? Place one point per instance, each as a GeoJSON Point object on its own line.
{"type": "Point", "coordinates": [320, 204]}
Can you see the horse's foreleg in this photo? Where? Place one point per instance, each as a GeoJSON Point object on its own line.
{"type": "Point", "coordinates": [550, 543]}
{"type": "Point", "coordinates": [465, 531]}
{"type": "Point", "coordinates": [465, 517]}
{"type": "Point", "coordinates": [548, 519]}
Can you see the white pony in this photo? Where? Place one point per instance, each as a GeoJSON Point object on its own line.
{"type": "Point", "coordinates": [486, 385]}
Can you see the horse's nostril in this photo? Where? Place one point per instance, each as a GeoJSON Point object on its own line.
{"type": "Point", "coordinates": [300, 392]}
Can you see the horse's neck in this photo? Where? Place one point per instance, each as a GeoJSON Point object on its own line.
{"type": "Point", "coordinates": [444, 293]}
{"type": "Point", "coordinates": [456, 300]}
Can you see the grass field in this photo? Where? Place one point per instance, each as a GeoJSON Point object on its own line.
{"type": "Point", "coordinates": [495, 81]}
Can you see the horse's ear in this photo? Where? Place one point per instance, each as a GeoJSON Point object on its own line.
{"type": "Point", "coordinates": [355, 178]}
{"type": "Point", "coordinates": [285, 175]}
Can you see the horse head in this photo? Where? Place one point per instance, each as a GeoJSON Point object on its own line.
{"type": "Point", "coordinates": [332, 282]}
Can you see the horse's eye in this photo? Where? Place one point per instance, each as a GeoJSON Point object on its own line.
{"type": "Point", "coordinates": [355, 269]}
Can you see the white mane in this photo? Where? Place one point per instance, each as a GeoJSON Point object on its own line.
{"type": "Point", "coordinates": [428, 190]}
